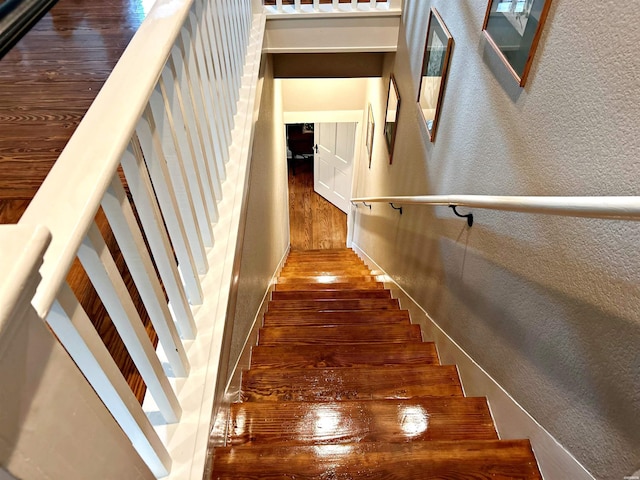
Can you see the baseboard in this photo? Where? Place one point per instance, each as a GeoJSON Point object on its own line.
{"type": "Point", "coordinates": [511, 420]}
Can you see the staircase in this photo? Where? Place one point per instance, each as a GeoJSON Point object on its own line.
{"type": "Point", "coordinates": [341, 386]}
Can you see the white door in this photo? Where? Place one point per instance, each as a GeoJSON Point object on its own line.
{"type": "Point", "coordinates": [333, 162]}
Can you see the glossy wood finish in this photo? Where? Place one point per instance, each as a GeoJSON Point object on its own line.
{"type": "Point", "coordinates": [335, 304]}
{"type": "Point", "coordinates": [331, 279]}
{"type": "Point", "coordinates": [471, 459]}
{"type": "Point", "coordinates": [354, 383]}
{"type": "Point", "coordinates": [344, 355]}
{"type": "Point", "coordinates": [330, 294]}
{"type": "Point", "coordinates": [49, 79]}
{"type": "Point", "coordinates": [305, 285]}
{"type": "Point", "coordinates": [314, 223]}
{"type": "Point", "coordinates": [300, 423]}
{"type": "Point", "coordinates": [334, 334]}
{"type": "Point", "coordinates": [344, 317]}
{"type": "Point", "coordinates": [339, 391]}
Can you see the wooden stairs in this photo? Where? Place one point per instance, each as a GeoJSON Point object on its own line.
{"type": "Point", "coordinates": [341, 386]}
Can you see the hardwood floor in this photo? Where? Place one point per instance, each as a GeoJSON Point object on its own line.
{"type": "Point", "coordinates": [326, 397]}
{"type": "Point", "coordinates": [49, 79]}
{"type": "Point", "coordinates": [314, 222]}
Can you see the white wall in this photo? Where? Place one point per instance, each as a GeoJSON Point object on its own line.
{"type": "Point", "coordinates": [548, 306]}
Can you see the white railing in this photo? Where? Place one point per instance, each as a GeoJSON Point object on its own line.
{"type": "Point", "coordinates": [280, 7]}
{"type": "Point", "coordinates": [177, 115]}
{"type": "Point", "coordinates": [592, 207]}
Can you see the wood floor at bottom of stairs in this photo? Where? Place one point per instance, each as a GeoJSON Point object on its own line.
{"type": "Point", "coordinates": [477, 460]}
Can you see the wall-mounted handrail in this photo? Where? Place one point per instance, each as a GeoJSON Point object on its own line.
{"type": "Point", "coordinates": [621, 207]}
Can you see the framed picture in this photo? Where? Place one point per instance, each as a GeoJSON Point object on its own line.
{"type": "Point", "coordinates": [435, 65]}
{"type": "Point", "coordinates": [513, 28]}
{"type": "Point", "coordinates": [370, 130]}
{"type": "Point", "coordinates": [391, 116]}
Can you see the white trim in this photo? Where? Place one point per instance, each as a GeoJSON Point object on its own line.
{"type": "Point", "coordinates": [511, 420]}
{"type": "Point", "coordinates": [357, 49]}
{"type": "Point", "coordinates": [592, 207]}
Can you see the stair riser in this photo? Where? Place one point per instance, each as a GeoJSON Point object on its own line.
{"type": "Point", "coordinates": [287, 287]}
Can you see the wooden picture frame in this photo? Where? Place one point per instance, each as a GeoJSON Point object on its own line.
{"type": "Point", "coordinates": [513, 28]}
{"type": "Point", "coordinates": [369, 135]}
{"type": "Point", "coordinates": [391, 116]}
{"type": "Point", "coordinates": [435, 67]}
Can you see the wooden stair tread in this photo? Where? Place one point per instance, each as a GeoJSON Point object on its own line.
{"type": "Point", "coordinates": [299, 423]}
{"type": "Point", "coordinates": [338, 317]}
{"type": "Point", "coordinates": [328, 272]}
{"type": "Point", "coordinates": [344, 355]}
{"type": "Point", "coordinates": [355, 383]}
{"type": "Point", "coordinates": [336, 334]}
{"type": "Point", "coordinates": [285, 287]}
{"type": "Point", "coordinates": [330, 294]}
{"type": "Point", "coordinates": [325, 280]}
{"type": "Point", "coordinates": [468, 459]}
{"type": "Point", "coordinates": [335, 304]}
{"type": "Point", "coordinates": [341, 386]}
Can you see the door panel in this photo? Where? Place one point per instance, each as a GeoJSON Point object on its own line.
{"type": "Point", "coordinates": [333, 162]}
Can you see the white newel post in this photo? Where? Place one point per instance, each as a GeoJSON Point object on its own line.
{"type": "Point", "coordinates": [52, 423]}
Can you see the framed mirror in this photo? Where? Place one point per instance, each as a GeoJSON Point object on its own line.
{"type": "Point", "coordinates": [391, 117]}
{"type": "Point", "coordinates": [435, 65]}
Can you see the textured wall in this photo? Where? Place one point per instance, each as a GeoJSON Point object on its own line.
{"type": "Point", "coordinates": [266, 235]}
{"type": "Point", "coordinates": [548, 306]}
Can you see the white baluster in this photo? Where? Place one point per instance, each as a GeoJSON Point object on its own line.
{"type": "Point", "coordinates": [191, 123]}
{"type": "Point", "coordinates": [220, 64]}
{"type": "Point", "coordinates": [198, 180]}
{"type": "Point", "coordinates": [203, 63]}
{"type": "Point", "coordinates": [316, 5]}
{"type": "Point", "coordinates": [163, 153]}
{"type": "Point", "coordinates": [166, 198]}
{"type": "Point", "coordinates": [77, 334]}
{"type": "Point", "coordinates": [108, 283]}
{"type": "Point", "coordinates": [198, 105]}
{"type": "Point", "coordinates": [149, 214]}
{"type": "Point", "coordinates": [222, 120]}
{"type": "Point", "coordinates": [131, 243]}
{"type": "Point", "coordinates": [185, 185]}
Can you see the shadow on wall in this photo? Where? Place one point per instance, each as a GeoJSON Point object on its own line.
{"type": "Point", "coordinates": [584, 358]}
